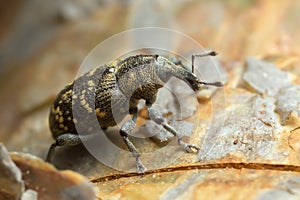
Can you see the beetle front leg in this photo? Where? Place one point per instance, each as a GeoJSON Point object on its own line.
{"type": "Point", "coordinates": [159, 119]}
{"type": "Point", "coordinates": [127, 128]}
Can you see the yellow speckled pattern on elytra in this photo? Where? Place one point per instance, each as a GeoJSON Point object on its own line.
{"type": "Point", "coordinates": [96, 89]}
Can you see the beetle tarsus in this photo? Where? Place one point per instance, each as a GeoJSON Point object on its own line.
{"type": "Point", "coordinates": [126, 128]}
{"type": "Point", "coordinates": [140, 167]}
{"type": "Point", "coordinates": [158, 118]}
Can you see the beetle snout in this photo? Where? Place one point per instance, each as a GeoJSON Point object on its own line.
{"type": "Point", "coordinates": [193, 81]}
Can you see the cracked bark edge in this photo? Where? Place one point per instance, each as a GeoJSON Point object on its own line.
{"type": "Point", "coordinates": [240, 165]}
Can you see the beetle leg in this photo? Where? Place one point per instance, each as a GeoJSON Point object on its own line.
{"type": "Point", "coordinates": [126, 128]}
{"type": "Point", "coordinates": [51, 152]}
{"type": "Point", "coordinates": [159, 119]}
{"type": "Point", "coordinates": [65, 139]}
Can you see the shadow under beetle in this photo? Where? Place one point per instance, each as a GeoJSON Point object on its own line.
{"type": "Point", "coordinates": [126, 81]}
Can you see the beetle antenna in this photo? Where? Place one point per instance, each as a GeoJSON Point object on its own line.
{"type": "Point", "coordinates": [211, 53]}
{"type": "Point", "coordinates": [217, 84]}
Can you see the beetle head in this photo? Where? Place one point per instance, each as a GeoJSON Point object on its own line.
{"type": "Point", "coordinates": [165, 69]}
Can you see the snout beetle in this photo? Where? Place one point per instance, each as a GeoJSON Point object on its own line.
{"type": "Point", "coordinates": [131, 79]}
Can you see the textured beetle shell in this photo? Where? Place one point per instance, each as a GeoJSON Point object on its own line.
{"type": "Point", "coordinates": [105, 92]}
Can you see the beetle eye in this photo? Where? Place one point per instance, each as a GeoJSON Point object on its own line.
{"type": "Point", "coordinates": [156, 56]}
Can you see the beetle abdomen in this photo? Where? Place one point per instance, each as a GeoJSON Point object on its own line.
{"type": "Point", "coordinates": [61, 117]}
{"type": "Point", "coordinates": [90, 96]}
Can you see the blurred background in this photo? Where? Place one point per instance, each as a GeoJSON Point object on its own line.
{"type": "Point", "coordinates": [42, 44]}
